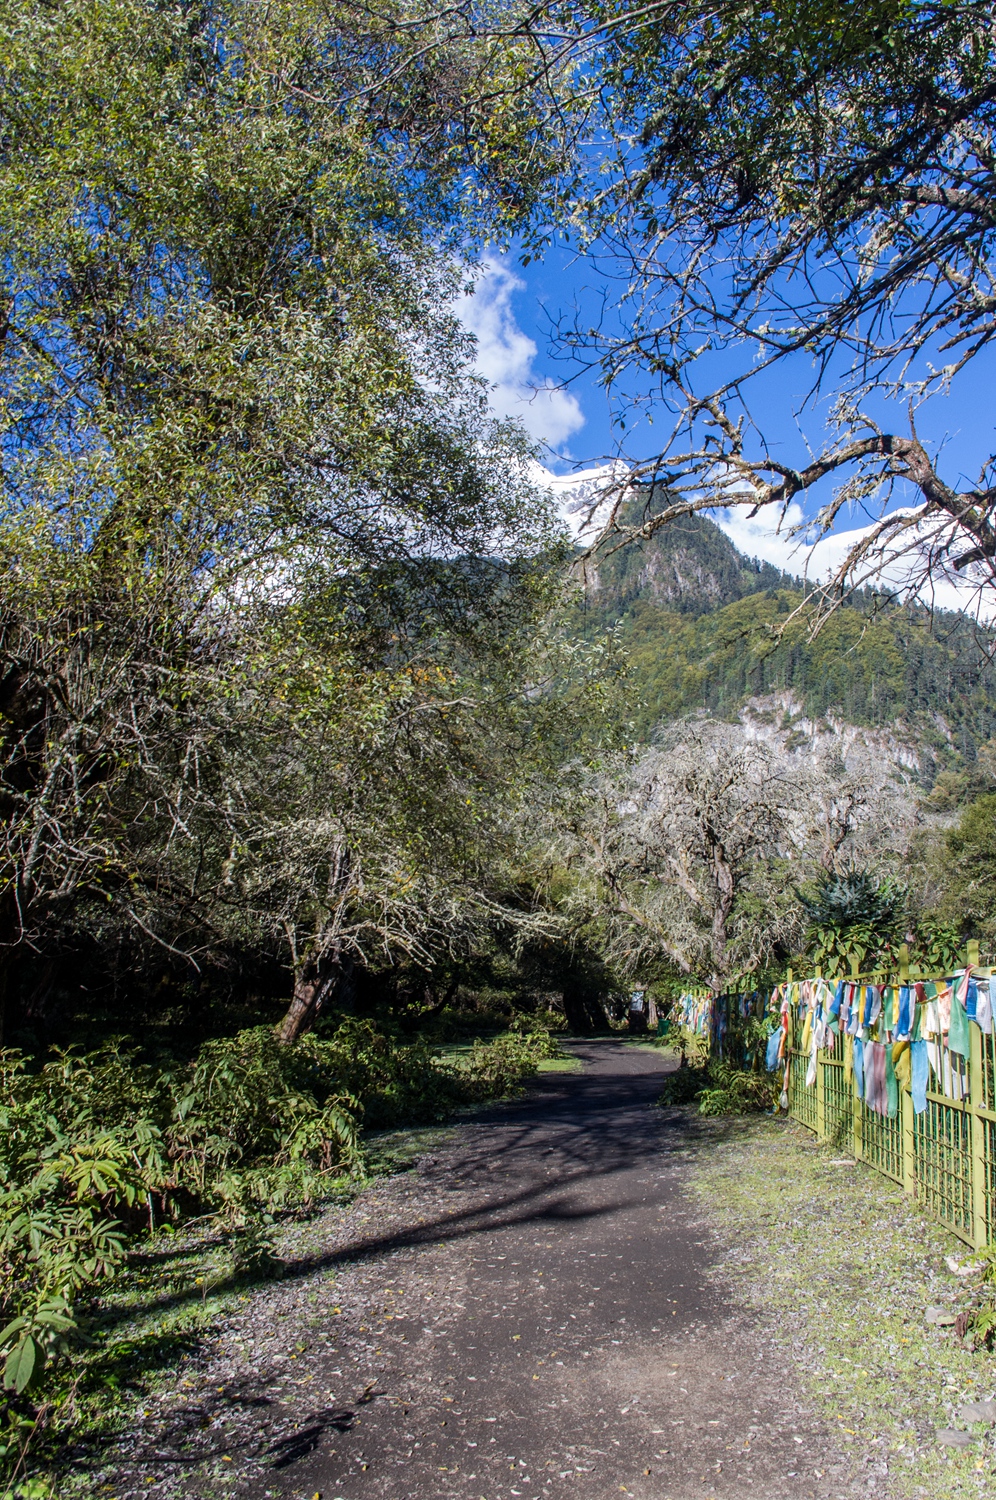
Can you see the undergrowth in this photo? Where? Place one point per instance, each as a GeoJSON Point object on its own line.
{"type": "Point", "coordinates": [101, 1156]}
{"type": "Point", "coordinates": [719, 1088]}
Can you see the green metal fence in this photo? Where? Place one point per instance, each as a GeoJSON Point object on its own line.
{"type": "Point", "coordinates": [944, 1157]}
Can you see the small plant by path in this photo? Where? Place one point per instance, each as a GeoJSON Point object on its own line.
{"type": "Point", "coordinates": [139, 1202]}
{"type": "Point", "coordinates": [857, 1284]}
{"type": "Point", "coordinates": [719, 1088]}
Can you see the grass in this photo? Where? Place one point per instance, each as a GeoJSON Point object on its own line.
{"type": "Point", "coordinates": [846, 1266]}
{"type": "Point", "coordinates": [561, 1065]}
{"type": "Point", "coordinates": [454, 1053]}
{"type": "Point", "coordinates": [651, 1043]}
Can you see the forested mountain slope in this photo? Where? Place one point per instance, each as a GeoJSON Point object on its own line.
{"type": "Point", "coordinates": [702, 626]}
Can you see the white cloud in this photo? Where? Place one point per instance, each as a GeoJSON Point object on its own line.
{"type": "Point", "coordinates": [505, 357]}
{"type": "Point", "coordinates": [758, 538]}
{"type": "Point", "coordinates": [820, 560]}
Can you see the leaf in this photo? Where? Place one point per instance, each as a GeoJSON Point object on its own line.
{"type": "Point", "coordinates": [11, 1329]}
{"type": "Point", "coordinates": [20, 1365]}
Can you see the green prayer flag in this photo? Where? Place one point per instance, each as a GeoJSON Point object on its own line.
{"type": "Point", "coordinates": [958, 1035]}
{"type": "Point", "coordinates": [891, 1086]}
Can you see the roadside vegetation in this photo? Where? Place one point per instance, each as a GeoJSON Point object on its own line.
{"type": "Point", "coordinates": [111, 1165]}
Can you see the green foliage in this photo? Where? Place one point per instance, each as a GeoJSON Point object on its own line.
{"type": "Point", "coordinates": [937, 947]}
{"type": "Point", "coordinates": [538, 1034]}
{"type": "Point", "coordinates": [853, 913]}
{"type": "Point", "coordinates": [80, 1150]}
{"type": "Point", "coordinates": [260, 1122]}
{"type": "Point", "coordinates": [94, 1146]}
{"type": "Point", "coordinates": [684, 1085]}
{"type": "Point", "coordinates": [499, 1068]}
{"type": "Point", "coordinates": [966, 869]}
{"type": "Point", "coordinates": [701, 626]}
{"type": "Point", "coordinates": [196, 760]}
{"type": "Point", "coordinates": [397, 1082]}
{"type": "Point", "coordinates": [982, 1323]}
{"type": "Point", "coordinates": [732, 1091]}
{"type": "Point", "coordinates": [720, 1088]}
{"type": "Point", "coordinates": [752, 1034]}
{"type": "Point", "coordinates": [853, 898]}
{"type": "Point", "coordinates": [251, 1248]}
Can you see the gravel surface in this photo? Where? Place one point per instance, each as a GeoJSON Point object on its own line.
{"type": "Point", "coordinates": [537, 1311]}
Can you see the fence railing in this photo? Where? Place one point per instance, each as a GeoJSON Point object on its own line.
{"type": "Point", "coordinates": [944, 1157]}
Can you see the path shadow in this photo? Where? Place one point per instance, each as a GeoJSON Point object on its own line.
{"type": "Point", "coordinates": [585, 1128]}
{"type": "Point", "coordinates": [582, 1129]}
{"type": "Point", "coordinates": [305, 1439]}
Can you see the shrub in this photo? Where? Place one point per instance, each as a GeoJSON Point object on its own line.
{"type": "Point", "coordinates": [94, 1147]}
{"type": "Point", "coordinates": [683, 1086]}
{"type": "Point", "coordinates": [540, 1032]}
{"type": "Point", "coordinates": [497, 1069]}
{"type": "Point", "coordinates": [731, 1091]}
{"type": "Point", "coordinates": [538, 1036]}
{"type": "Point", "coordinates": [255, 1121]}
{"type": "Point", "coordinates": [394, 1082]}
{"type": "Point", "coordinates": [719, 1088]}
{"type": "Point", "coordinates": [80, 1149]}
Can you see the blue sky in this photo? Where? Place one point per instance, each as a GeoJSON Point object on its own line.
{"type": "Point", "coordinates": [529, 302]}
{"type": "Point", "coordinates": [515, 312]}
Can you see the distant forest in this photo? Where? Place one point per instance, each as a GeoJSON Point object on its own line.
{"type": "Point", "coordinates": [702, 626]}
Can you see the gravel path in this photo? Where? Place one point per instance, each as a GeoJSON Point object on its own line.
{"type": "Point", "coordinates": [539, 1311]}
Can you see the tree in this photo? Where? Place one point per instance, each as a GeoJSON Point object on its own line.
{"type": "Point", "coordinates": [853, 913]}
{"type": "Point", "coordinates": [690, 853]}
{"type": "Point", "coordinates": [670, 846]}
{"type": "Point", "coordinates": [255, 508]}
{"type": "Point", "coordinates": [809, 181]}
{"type": "Point", "coordinates": [862, 807]}
{"type": "Point", "coordinates": [967, 870]}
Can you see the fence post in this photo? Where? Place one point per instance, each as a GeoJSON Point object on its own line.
{"type": "Point", "coordinates": [978, 1129]}
{"type": "Point", "coordinates": [908, 1117]}
{"type": "Point", "coordinates": [977, 1123]}
{"type": "Point", "coordinates": [907, 1114]}
{"type": "Point", "coordinates": [857, 1135]}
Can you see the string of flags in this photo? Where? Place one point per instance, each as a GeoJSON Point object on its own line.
{"type": "Point", "coordinates": [913, 1036]}
{"type": "Point", "coordinates": [696, 1009]}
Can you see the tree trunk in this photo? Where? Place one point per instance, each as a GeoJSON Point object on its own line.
{"type": "Point", "coordinates": [317, 980]}
{"type": "Point", "coordinates": [725, 895]}
{"type": "Point", "coordinates": [435, 1007]}
{"type": "Point", "coordinates": [584, 1014]}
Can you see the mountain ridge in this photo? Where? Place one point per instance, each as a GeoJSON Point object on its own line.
{"type": "Point", "coordinates": [704, 628]}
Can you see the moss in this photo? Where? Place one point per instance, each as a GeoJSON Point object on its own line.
{"type": "Point", "coordinates": [846, 1266]}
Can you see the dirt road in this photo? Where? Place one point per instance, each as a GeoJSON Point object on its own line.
{"type": "Point", "coordinates": [537, 1314]}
